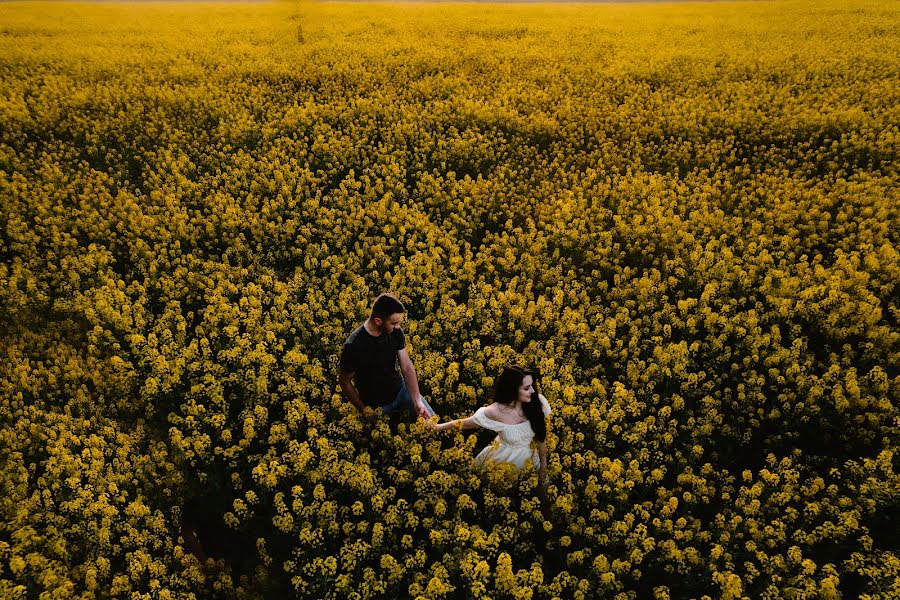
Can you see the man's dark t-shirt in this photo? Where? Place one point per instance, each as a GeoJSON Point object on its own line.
{"type": "Point", "coordinates": [373, 360]}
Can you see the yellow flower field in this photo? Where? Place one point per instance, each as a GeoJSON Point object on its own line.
{"type": "Point", "coordinates": [685, 215]}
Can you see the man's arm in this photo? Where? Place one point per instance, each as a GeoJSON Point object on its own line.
{"type": "Point", "coordinates": [412, 382]}
{"type": "Point", "coordinates": [345, 379]}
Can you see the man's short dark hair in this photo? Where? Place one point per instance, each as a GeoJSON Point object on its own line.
{"type": "Point", "coordinates": [386, 305]}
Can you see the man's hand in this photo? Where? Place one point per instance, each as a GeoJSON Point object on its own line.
{"type": "Point", "coordinates": [421, 410]}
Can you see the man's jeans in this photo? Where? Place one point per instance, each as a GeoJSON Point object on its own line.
{"type": "Point", "coordinates": [404, 401]}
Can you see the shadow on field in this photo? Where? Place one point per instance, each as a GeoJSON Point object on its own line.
{"type": "Point", "coordinates": [224, 551]}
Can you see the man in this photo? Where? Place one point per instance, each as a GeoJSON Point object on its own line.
{"type": "Point", "coordinates": [368, 368]}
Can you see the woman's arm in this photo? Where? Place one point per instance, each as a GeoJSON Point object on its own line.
{"type": "Point", "coordinates": [467, 423]}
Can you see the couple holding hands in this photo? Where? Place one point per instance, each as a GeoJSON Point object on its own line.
{"type": "Point", "coordinates": [369, 379]}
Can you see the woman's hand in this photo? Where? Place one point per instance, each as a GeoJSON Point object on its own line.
{"type": "Point", "coordinates": [432, 423]}
{"type": "Point", "coordinates": [444, 426]}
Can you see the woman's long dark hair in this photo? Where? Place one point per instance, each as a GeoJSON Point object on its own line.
{"type": "Point", "coordinates": [506, 391]}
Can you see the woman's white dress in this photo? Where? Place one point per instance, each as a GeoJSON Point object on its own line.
{"type": "Point", "coordinates": [512, 444]}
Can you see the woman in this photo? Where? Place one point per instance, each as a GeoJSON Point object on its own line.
{"type": "Point", "coordinates": [518, 415]}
